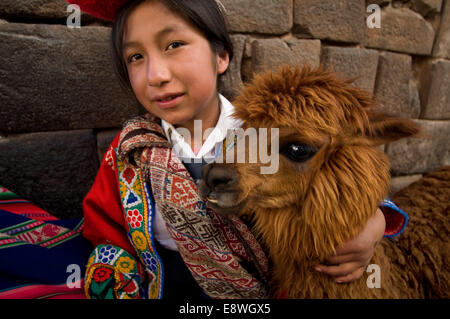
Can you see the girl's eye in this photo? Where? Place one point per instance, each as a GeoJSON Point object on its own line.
{"type": "Point", "coordinates": [134, 58]}
{"type": "Point", "coordinates": [174, 45]}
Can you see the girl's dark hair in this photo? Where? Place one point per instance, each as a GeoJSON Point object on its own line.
{"type": "Point", "coordinates": [203, 14]}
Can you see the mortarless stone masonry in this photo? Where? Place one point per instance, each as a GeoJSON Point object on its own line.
{"type": "Point", "coordinates": [61, 104]}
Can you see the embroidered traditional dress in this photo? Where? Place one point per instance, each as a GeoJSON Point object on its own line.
{"type": "Point", "coordinates": [139, 172]}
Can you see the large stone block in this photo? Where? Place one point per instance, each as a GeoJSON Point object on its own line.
{"type": "Point", "coordinates": [259, 16]}
{"type": "Point", "coordinates": [435, 90]}
{"type": "Point", "coordinates": [336, 20]}
{"type": "Point", "coordinates": [56, 78]}
{"type": "Point", "coordinates": [422, 154]}
{"type": "Point", "coordinates": [55, 9]}
{"type": "Point", "coordinates": [441, 47]}
{"type": "Point", "coordinates": [231, 82]}
{"type": "Point", "coordinates": [54, 170]}
{"type": "Point", "coordinates": [392, 87]}
{"type": "Point", "coordinates": [352, 63]}
{"type": "Point", "coordinates": [104, 139]}
{"type": "Point", "coordinates": [270, 54]}
{"type": "Point", "coordinates": [39, 9]}
{"type": "Point", "coordinates": [401, 30]}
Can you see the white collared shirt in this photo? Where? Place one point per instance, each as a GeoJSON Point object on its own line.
{"type": "Point", "coordinates": [208, 151]}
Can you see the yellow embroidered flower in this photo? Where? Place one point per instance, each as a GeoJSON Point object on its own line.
{"type": "Point", "coordinates": [125, 264]}
{"type": "Point", "coordinates": [139, 240]}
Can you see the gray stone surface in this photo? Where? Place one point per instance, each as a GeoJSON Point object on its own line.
{"type": "Point", "coordinates": [231, 82]}
{"type": "Point", "coordinates": [56, 78]}
{"type": "Point", "coordinates": [270, 54]}
{"type": "Point", "coordinates": [336, 20]}
{"type": "Point", "coordinates": [400, 182]}
{"type": "Point", "coordinates": [260, 16]}
{"type": "Point", "coordinates": [52, 170]}
{"type": "Point", "coordinates": [435, 90]}
{"type": "Point", "coordinates": [401, 30]}
{"type": "Point", "coordinates": [414, 97]}
{"type": "Point", "coordinates": [381, 3]}
{"type": "Point", "coordinates": [441, 47]}
{"type": "Point", "coordinates": [426, 7]}
{"type": "Point", "coordinates": [424, 154]}
{"type": "Point", "coordinates": [34, 8]}
{"type": "Point", "coordinates": [392, 87]}
{"type": "Point", "coordinates": [104, 139]}
{"type": "Point", "coordinates": [352, 63]}
{"type": "Point", "coordinates": [40, 10]}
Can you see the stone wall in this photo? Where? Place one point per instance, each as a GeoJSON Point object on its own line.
{"type": "Point", "coordinates": [60, 103]}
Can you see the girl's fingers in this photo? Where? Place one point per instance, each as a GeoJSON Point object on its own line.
{"type": "Point", "coordinates": [339, 270]}
{"type": "Point", "coordinates": [341, 259]}
{"type": "Point", "coordinates": [357, 274]}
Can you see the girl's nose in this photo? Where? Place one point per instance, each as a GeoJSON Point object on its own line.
{"type": "Point", "coordinates": [158, 73]}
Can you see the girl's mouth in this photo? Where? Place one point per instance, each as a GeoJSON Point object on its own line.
{"type": "Point", "coordinates": [169, 100]}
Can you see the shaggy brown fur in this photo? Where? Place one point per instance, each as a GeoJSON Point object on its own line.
{"type": "Point", "coordinates": [308, 208]}
{"type": "Point", "coordinates": [425, 241]}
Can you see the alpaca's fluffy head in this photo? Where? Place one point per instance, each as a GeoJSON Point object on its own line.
{"type": "Point", "coordinates": [331, 175]}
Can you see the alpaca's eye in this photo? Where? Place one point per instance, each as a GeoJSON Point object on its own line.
{"type": "Point", "coordinates": [298, 152]}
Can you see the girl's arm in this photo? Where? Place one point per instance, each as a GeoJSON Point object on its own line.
{"type": "Point", "coordinates": [113, 271]}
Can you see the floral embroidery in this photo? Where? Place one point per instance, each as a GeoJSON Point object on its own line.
{"type": "Point", "coordinates": [125, 264]}
{"type": "Point", "coordinates": [134, 218]}
{"type": "Point", "coordinates": [139, 240]}
{"type": "Point", "coordinates": [130, 287]}
{"type": "Point", "coordinates": [106, 254]}
{"type": "Point", "coordinates": [102, 274]}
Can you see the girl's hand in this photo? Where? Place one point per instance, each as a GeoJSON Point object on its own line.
{"type": "Point", "coordinates": [352, 257]}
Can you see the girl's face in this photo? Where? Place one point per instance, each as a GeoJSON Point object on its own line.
{"type": "Point", "coordinates": [172, 68]}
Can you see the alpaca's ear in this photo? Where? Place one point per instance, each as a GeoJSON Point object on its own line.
{"type": "Point", "coordinates": [384, 128]}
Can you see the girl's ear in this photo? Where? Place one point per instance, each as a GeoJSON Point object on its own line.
{"type": "Point", "coordinates": [385, 128]}
{"type": "Point", "coordinates": [222, 61]}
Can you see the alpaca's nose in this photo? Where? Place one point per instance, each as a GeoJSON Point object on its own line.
{"type": "Point", "coordinates": [218, 176]}
{"type": "Point", "coordinates": [219, 188]}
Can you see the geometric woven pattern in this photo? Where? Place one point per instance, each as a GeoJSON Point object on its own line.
{"type": "Point", "coordinates": [212, 246]}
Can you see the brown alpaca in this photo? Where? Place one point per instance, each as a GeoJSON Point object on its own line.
{"type": "Point", "coordinates": [330, 180]}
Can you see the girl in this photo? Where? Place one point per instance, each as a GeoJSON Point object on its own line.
{"type": "Point", "coordinates": [153, 235]}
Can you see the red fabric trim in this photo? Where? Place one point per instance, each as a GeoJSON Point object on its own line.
{"type": "Point", "coordinates": [45, 291]}
{"type": "Point", "coordinates": [26, 209]}
{"type": "Point", "coordinates": [104, 221]}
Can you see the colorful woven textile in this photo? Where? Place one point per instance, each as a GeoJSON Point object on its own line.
{"type": "Point", "coordinates": [40, 255]}
{"type": "Point", "coordinates": [212, 246]}
{"type": "Point", "coordinates": [222, 255]}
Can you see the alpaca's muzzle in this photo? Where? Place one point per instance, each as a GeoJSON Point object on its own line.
{"type": "Point", "coordinates": [219, 188]}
